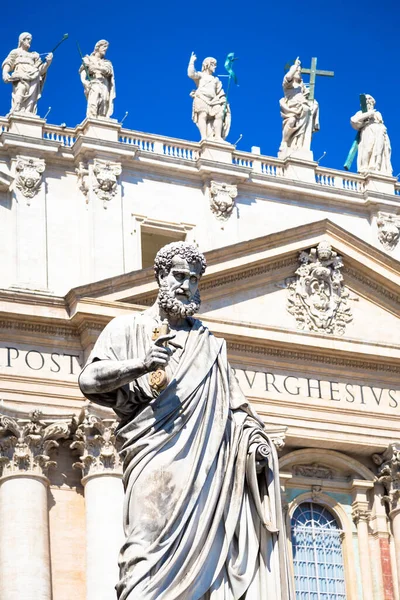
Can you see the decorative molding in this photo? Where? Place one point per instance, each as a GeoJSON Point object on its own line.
{"type": "Point", "coordinates": [315, 471]}
{"type": "Point", "coordinates": [388, 230]}
{"type": "Point", "coordinates": [222, 199]}
{"type": "Point", "coordinates": [371, 284]}
{"type": "Point", "coordinates": [308, 357]}
{"type": "Point", "coordinates": [26, 444]}
{"type": "Point", "coordinates": [28, 178]}
{"type": "Point", "coordinates": [105, 183]}
{"type": "Point", "coordinates": [317, 297]}
{"type": "Point", "coordinates": [389, 474]}
{"type": "Point", "coordinates": [83, 180]}
{"type": "Point", "coordinates": [64, 332]}
{"type": "Point", "coordinates": [94, 440]}
{"type": "Point", "coordinates": [316, 493]}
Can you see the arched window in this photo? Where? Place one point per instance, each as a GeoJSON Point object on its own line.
{"type": "Point", "coordinates": [317, 554]}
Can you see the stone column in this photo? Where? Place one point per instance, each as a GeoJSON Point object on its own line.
{"type": "Point", "coordinates": [101, 467]}
{"type": "Point", "coordinates": [389, 476]}
{"type": "Point", "coordinates": [25, 448]}
{"type": "Point", "coordinates": [361, 516]}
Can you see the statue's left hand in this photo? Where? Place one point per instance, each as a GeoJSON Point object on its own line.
{"type": "Point", "coordinates": [49, 57]}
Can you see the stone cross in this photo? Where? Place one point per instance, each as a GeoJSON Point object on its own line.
{"type": "Point", "coordinates": [313, 72]}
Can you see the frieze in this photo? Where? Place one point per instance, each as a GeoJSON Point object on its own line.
{"type": "Point", "coordinates": [315, 471]}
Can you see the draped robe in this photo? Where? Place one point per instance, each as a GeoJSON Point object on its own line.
{"type": "Point", "coordinates": [200, 522]}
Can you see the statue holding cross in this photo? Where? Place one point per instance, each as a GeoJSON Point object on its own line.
{"type": "Point", "coordinates": [299, 109]}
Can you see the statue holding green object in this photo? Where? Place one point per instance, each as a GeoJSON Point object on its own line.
{"type": "Point", "coordinates": [372, 141]}
{"type": "Point", "coordinates": [26, 71]}
{"type": "Point", "coordinates": [211, 111]}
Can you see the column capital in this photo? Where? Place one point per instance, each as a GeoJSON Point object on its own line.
{"type": "Point", "coordinates": [389, 474]}
{"type": "Point", "coordinates": [26, 444]}
{"type": "Point", "coordinates": [95, 441]}
{"type": "Point", "coordinates": [360, 514]}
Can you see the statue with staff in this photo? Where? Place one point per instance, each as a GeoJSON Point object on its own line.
{"type": "Point", "coordinates": [26, 71]}
{"type": "Point", "coordinates": [97, 76]}
{"type": "Point", "coordinates": [211, 110]}
{"type": "Point", "coordinates": [372, 141]}
{"type": "Point", "coordinates": [299, 108]}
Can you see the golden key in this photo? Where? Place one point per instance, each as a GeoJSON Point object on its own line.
{"type": "Point", "coordinates": [158, 379]}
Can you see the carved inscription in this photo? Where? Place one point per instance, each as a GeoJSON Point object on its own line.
{"type": "Point", "coordinates": [28, 360]}
{"type": "Point", "coordinates": [352, 394]}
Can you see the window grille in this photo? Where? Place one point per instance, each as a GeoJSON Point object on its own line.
{"type": "Point", "coordinates": [317, 554]}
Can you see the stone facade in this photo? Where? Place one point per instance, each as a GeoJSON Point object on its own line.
{"type": "Point", "coordinates": [102, 201]}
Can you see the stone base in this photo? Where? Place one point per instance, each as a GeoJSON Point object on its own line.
{"type": "Point", "coordinates": [377, 182]}
{"type": "Point", "coordinates": [26, 125]}
{"type": "Point", "coordinates": [216, 151]}
{"type": "Point", "coordinates": [300, 169]}
{"type": "Point", "coordinates": [102, 129]}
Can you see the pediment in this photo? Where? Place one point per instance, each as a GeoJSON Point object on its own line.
{"type": "Point", "coordinates": [247, 283]}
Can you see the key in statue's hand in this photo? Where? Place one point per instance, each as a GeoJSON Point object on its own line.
{"type": "Point", "coordinates": [158, 355]}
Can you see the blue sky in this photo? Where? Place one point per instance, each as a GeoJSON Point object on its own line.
{"type": "Point", "coordinates": [150, 45]}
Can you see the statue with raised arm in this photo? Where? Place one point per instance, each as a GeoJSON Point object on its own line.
{"type": "Point", "coordinates": [97, 76]}
{"type": "Point", "coordinates": [202, 509]}
{"type": "Point", "coordinates": [374, 148]}
{"type": "Point", "coordinates": [26, 72]}
{"type": "Point", "coordinates": [299, 114]}
{"type": "Point", "coordinates": [211, 111]}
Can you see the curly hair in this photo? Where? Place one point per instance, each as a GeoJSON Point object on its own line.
{"type": "Point", "coordinates": [163, 259]}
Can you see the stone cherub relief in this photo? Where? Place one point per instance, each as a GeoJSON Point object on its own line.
{"type": "Point", "coordinates": [106, 180]}
{"type": "Point", "coordinates": [388, 230]}
{"type": "Point", "coordinates": [211, 111]}
{"type": "Point", "coordinates": [26, 71]}
{"type": "Point", "coordinates": [222, 199]}
{"type": "Point", "coordinates": [317, 297]}
{"type": "Point", "coordinates": [28, 178]}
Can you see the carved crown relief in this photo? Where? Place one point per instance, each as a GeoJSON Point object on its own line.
{"type": "Point", "coordinates": [105, 183]}
{"type": "Point", "coordinates": [26, 444]}
{"type": "Point", "coordinates": [222, 199]}
{"type": "Point", "coordinates": [28, 178]}
{"type": "Point", "coordinates": [388, 230]}
{"type": "Point", "coordinates": [317, 297]}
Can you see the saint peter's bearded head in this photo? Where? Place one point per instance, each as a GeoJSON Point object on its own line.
{"type": "Point", "coordinates": [178, 267]}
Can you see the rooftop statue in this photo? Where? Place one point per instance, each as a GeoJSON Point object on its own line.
{"type": "Point", "coordinates": [202, 510]}
{"type": "Point", "coordinates": [373, 144]}
{"type": "Point", "coordinates": [299, 112]}
{"type": "Point", "coordinates": [26, 72]}
{"type": "Point", "coordinates": [211, 111]}
{"type": "Point", "coordinates": [97, 76]}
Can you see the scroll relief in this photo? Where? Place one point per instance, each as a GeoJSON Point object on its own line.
{"type": "Point", "coordinates": [388, 230]}
{"type": "Point", "coordinates": [106, 180]}
{"type": "Point", "coordinates": [317, 297]}
{"type": "Point", "coordinates": [29, 176]}
{"type": "Point", "coordinates": [222, 199]}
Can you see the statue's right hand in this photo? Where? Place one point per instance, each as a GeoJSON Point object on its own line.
{"type": "Point", "coordinates": [158, 356]}
{"type": "Point", "coordinates": [6, 77]}
{"type": "Point", "coordinates": [193, 57]}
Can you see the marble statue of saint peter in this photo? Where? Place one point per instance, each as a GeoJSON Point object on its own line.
{"type": "Point", "coordinates": [202, 511]}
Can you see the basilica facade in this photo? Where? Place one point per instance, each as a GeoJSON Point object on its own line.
{"type": "Point", "coordinates": [303, 282]}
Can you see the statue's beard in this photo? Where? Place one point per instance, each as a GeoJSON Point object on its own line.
{"type": "Point", "coordinates": [174, 307]}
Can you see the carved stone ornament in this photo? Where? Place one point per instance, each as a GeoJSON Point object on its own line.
{"type": "Point", "coordinates": [315, 470]}
{"type": "Point", "coordinates": [105, 180]}
{"type": "Point", "coordinates": [388, 230]}
{"type": "Point", "coordinates": [317, 297]}
{"type": "Point", "coordinates": [83, 179]}
{"type": "Point", "coordinates": [389, 473]}
{"type": "Point", "coordinates": [26, 444]}
{"type": "Point", "coordinates": [222, 199]}
{"type": "Point", "coordinates": [29, 176]}
{"type": "Point", "coordinates": [360, 514]}
{"type": "Point", "coordinates": [94, 440]}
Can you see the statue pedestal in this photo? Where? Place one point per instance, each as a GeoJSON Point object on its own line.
{"type": "Point", "coordinates": [29, 126]}
{"type": "Point", "coordinates": [377, 182]}
{"type": "Point", "coordinates": [216, 151]}
{"type": "Point", "coordinates": [102, 129]}
{"type": "Point", "coordinates": [298, 168]}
